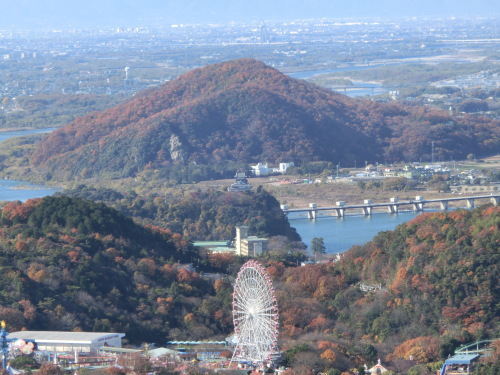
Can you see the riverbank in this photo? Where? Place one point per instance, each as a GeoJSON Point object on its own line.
{"type": "Point", "coordinates": [300, 195]}
{"type": "Point", "coordinates": [2, 130]}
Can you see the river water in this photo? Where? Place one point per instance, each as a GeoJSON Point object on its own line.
{"type": "Point", "coordinates": [13, 190]}
{"type": "Point", "coordinates": [359, 88]}
{"type": "Point", "coordinates": [340, 234]}
{"type": "Point", "coordinates": [18, 133]}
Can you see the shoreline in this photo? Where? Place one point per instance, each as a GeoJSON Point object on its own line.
{"type": "Point", "coordinates": [5, 130]}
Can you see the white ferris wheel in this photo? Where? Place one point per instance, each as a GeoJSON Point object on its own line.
{"type": "Point", "coordinates": [255, 316]}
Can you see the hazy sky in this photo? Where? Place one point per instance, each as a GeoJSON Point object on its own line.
{"type": "Point", "coordinates": [34, 14]}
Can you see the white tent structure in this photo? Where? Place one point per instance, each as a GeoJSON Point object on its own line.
{"type": "Point", "coordinates": [82, 342]}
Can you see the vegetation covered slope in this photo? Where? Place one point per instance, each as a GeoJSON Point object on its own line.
{"type": "Point", "coordinates": [435, 286]}
{"type": "Point", "coordinates": [68, 263]}
{"type": "Point", "coordinates": [244, 111]}
{"type": "Point", "coordinates": [210, 215]}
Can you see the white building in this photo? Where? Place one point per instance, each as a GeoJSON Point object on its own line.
{"type": "Point", "coordinates": [284, 166]}
{"type": "Point", "coordinates": [261, 169]}
{"type": "Point", "coordinates": [249, 245]}
{"type": "Point", "coordinates": [83, 342]}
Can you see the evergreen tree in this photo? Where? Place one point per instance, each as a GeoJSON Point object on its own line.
{"type": "Point", "coordinates": [318, 245]}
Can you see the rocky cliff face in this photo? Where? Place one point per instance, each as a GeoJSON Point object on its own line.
{"type": "Point", "coordinates": [176, 152]}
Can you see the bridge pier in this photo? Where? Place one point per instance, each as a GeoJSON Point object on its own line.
{"type": "Point", "coordinates": [367, 210]}
{"type": "Point", "coordinates": [393, 208]}
{"type": "Point", "coordinates": [443, 205]}
{"type": "Point", "coordinates": [495, 200]}
{"type": "Point", "coordinates": [470, 202]}
{"type": "Point", "coordinates": [417, 207]}
{"type": "Point", "coordinates": [311, 213]}
{"type": "Point", "coordinates": [340, 212]}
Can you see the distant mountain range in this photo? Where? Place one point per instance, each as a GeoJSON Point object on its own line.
{"type": "Point", "coordinates": [244, 111]}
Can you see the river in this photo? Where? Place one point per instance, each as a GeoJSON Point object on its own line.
{"type": "Point", "coordinates": [15, 190]}
{"type": "Point", "coordinates": [12, 190]}
{"type": "Point", "coordinates": [340, 234]}
{"type": "Point", "coordinates": [21, 132]}
{"type": "Point", "coordinates": [304, 74]}
{"type": "Point", "coordinates": [359, 88]}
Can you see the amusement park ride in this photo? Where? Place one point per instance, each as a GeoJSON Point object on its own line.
{"type": "Point", "coordinates": [255, 317]}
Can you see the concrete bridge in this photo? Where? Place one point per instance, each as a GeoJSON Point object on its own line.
{"type": "Point", "coordinates": [393, 206]}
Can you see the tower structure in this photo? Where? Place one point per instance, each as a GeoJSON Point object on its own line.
{"type": "Point", "coordinates": [241, 234]}
{"type": "Point", "coordinates": [264, 33]}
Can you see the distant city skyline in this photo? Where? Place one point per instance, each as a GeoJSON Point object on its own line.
{"type": "Point", "coordinates": [63, 14]}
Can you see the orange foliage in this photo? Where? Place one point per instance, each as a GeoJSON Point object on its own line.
{"type": "Point", "coordinates": [359, 260]}
{"type": "Point", "coordinates": [275, 269]}
{"type": "Point", "coordinates": [221, 260]}
{"type": "Point", "coordinates": [29, 311]}
{"type": "Point", "coordinates": [489, 211]}
{"type": "Point", "coordinates": [18, 210]}
{"type": "Point", "coordinates": [189, 319]}
{"type": "Point", "coordinates": [169, 271]}
{"type": "Point", "coordinates": [328, 286]}
{"type": "Point", "coordinates": [184, 276]}
{"type": "Point", "coordinates": [324, 345]}
{"type": "Point", "coordinates": [36, 272]}
{"type": "Point", "coordinates": [418, 248]}
{"type": "Point", "coordinates": [164, 305]}
{"type": "Point", "coordinates": [475, 328]}
{"type": "Point", "coordinates": [422, 218]}
{"type": "Point", "coordinates": [399, 280]}
{"type": "Point", "coordinates": [21, 245]}
{"type": "Point", "coordinates": [329, 355]}
{"type": "Point", "coordinates": [219, 284]}
{"type": "Point", "coordinates": [423, 349]}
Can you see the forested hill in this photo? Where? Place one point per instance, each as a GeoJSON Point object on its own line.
{"type": "Point", "coordinates": [207, 121]}
{"type": "Point", "coordinates": [68, 263]}
{"type": "Point", "coordinates": [210, 215]}
{"type": "Point", "coordinates": [421, 290]}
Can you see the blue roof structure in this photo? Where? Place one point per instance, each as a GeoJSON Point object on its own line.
{"type": "Point", "coordinates": [462, 359]}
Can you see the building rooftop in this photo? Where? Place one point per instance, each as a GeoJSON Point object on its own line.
{"type": "Point", "coordinates": [461, 359]}
{"type": "Point", "coordinates": [255, 238]}
{"type": "Point", "coordinates": [65, 337]}
{"type": "Point", "coordinates": [211, 243]}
